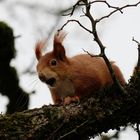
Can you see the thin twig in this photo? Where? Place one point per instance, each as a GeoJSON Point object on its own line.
{"type": "Point", "coordinates": [118, 9]}
{"type": "Point", "coordinates": [73, 20]}
{"type": "Point", "coordinates": [109, 6]}
{"type": "Point", "coordinates": [17, 36]}
{"type": "Point", "coordinates": [137, 68]}
{"type": "Point", "coordinates": [73, 8]}
{"type": "Point", "coordinates": [99, 55]}
{"type": "Point", "coordinates": [133, 39]}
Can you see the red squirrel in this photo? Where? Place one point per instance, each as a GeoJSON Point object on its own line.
{"type": "Point", "coordinates": [70, 79]}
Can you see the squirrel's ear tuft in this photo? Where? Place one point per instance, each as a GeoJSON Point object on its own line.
{"type": "Point", "coordinates": [58, 48]}
{"type": "Point", "coordinates": [38, 48]}
{"type": "Point", "coordinates": [59, 37]}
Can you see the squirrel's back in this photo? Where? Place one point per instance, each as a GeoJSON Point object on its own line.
{"type": "Point", "coordinates": [90, 74]}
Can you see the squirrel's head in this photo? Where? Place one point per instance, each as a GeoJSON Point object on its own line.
{"type": "Point", "coordinates": [52, 66]}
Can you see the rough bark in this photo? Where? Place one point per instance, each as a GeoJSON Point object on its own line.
{"type": "Point", "coordinates": [107, 109]}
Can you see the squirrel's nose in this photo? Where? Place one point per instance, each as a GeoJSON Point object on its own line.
{"type": "Point", "coordinates": [42, 77]}
{"type": "Point", "coordinates": [49, 81]}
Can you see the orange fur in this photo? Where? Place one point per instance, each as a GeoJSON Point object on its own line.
{"type": "Point", "coordinates": [71, 79]}
{"type": "Point", "coordinates": [38, 48]}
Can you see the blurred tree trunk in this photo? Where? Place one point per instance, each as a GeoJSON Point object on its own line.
{"type": "Point", "coordinates": [9, 82]}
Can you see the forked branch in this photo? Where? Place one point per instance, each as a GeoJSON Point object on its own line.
{"type": "Point", "coordinates": [118, 9]}
{"type": "Point", "coordinates": [87, 5]}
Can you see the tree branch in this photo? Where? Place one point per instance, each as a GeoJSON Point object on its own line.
{"type": "Point", "coordinates": [73, 20]}
{"type": "Point", "coordinates": [118, 9]}
{"type": "Point", "coordinates": [99, 42]}
{"type": "Point", "coordinates": [109, 6]}
{"type": "Point", "coordinates": [95, 114]}
{"type": "Point", "coordinates": [93, 30]}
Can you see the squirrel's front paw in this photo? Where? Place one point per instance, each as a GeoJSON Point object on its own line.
{"type": "Point", "coordinates": [69, 100]}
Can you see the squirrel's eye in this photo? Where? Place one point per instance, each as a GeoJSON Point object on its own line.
{"type": "Point", "coordinates": [53, 62]}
